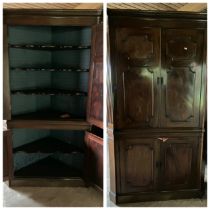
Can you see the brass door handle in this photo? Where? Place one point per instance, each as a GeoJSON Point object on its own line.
{"type": "Point", "coordinates": [163, 139]}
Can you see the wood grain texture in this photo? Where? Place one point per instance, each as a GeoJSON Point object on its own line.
{"type": "Point", "coordinates": [95, 94]}
{"type": "Point", "coordinates": [6, 86]}
{"type": "Point", "coordinates": [179, 163]}
{"type": "Point", "coordinates": [162, 160]}
{"type": "Point", "coordinates": [182, 70]}
{"type": "Point", "coordinates": [137, 62]}
{"type": "Point", "coordinates": [137, 159]}
{"type": "Point", "coordinates": [94, 159]}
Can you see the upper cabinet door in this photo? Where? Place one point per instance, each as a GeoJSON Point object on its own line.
{"type": "Point", "coordinates": [95, 94]}
{"type": "Point", "coordinates": [136, 64]}
{"type": "Point", "coordinates": [182, 66]}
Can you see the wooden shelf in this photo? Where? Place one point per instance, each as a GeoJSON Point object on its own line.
{"type": "Point", "coordinates": [64, 69]}
{"type": "Point", "coordinates": [48, 145]}
{"type": "Point", "coordinates": [49, 92]}
{"type": "Point", "coordinates": [49, 47]}
{"type": "Point", "coordinates": [48, 119]}
{"type": "Point", "coordinates": [48, 167]}
{"type": "Point", "coordinates": [48, 114]}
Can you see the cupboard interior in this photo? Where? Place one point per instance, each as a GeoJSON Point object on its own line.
{"type": "Point", "coordinates": [48, 80]}
{"type": "Point", "coordinates": [42, 153]}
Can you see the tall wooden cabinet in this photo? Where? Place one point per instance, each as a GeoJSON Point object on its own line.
{"type": "Point", "coordinates": [53, 96]}
{"type": "Point", "coordinates": [156, 104]}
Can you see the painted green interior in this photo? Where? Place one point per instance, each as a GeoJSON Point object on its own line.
{"type": "Point", "coordinates": [23, 136]}
{"type": "Point", "coordinates": [24, 80]}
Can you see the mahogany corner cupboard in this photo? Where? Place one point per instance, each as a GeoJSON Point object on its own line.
{"type": "Point", "coordinates": [156, 104]}
{"type": "Point", "coordinates": [53, 97]}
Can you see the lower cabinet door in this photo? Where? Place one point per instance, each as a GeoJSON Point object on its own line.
{"type": "Point", "coordinates": [137, 159]}
{"type": "Point", "coordinates": [94, 160]}
{"type": "Point", "coordinates": [180, 163]}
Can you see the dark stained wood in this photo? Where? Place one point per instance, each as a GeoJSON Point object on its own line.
{"type": "Point", "coordinates": [5, 155]}
{"type": "Point", "coordinates": [109, 103]}
{"type": "Point", "coordinates": [156, 196]}
{"type": "Point", "coordinates": [175, 133]}
{"type": "Point", "coordinates": [137, 72]}
{"type": "Point", "coordinates": [6, 86]}
{"type": "Point", "coordinates": [179, 163]}
{"type": "Point", "coordinates": [49, 124]}
{"type": "Point", "coordinates": [10, 155]}
{"type": "Point", "coordinates": [138, 162]}
{"type": "Point", "coordinates": [203, 105]}
{"type": "Point", "coordinates": [94, 159]}
{"type": "Point", "coordinates": [54, 12]}
{"type": "Point", "coordinates": [45, 182]}
{"type": "Point", "coordinates": [112, 164]}
{"type": "Point", "coordinates": [181, 72]}
{"type": "Point", "coordinates": [156, 14]}
{"type": "Point", "coordinates": [95, 95]}
{"type": "Point", "coordinates": [52, 17]}
{"type": "Point", "coordinates": [55, 120]}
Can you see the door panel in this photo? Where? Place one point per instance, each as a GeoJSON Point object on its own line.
{"type": "Point", "coordinates": [182, 70]}
{"type": "Point", "coordinates": [179, 163]}
{"type": "Point", "coordinates": [137, 165]}
{"type": "Point", "coordinates": [95, 94]}
{"type": "Point", "coordinates": [94, 159]}
{"type": "Point", "coordinates": [137, 66]}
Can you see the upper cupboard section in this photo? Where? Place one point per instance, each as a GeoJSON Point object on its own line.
{"type": "Point", "coordinates": [158, 77]}
{"type": "Point", "coordinates": [49, 70]}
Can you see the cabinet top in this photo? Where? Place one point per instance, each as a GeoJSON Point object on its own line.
{"type": "Point", "coordinates": [54, 12]}
{"type": "Point", "coordinates": [156, 14]}
{"type": "Point", "coordinates": [53, 17]}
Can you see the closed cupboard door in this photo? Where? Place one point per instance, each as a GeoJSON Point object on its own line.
{"type": "Point", "coordinates": [137, 62]}
{"type": "Point", "coordinates": [95, 95]}
{"type": "Point", "coordinates": [94, 159]}
{"type": "Point", "coordinates": [182, 67]}
{"type": "Point", "coordinates": [137, 165]}
{"type": "Point", "coordinates": [179, 163]}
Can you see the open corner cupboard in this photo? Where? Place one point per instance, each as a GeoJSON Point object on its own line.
{"type": "Point", "coordinates": [53, 97]}
{"type": "Point", "coordinates": [156, 104]}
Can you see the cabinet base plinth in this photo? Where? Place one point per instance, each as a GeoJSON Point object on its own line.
{"type": "Point", "coordinates": [155, 196]}
{"type": "Point", "coordinates": [42, 182]}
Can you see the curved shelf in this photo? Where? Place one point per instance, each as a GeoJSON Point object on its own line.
{"type": "Point", "coordinates": [49, 92]}
{"type": "Point", "coordinates": [49, 47]}
{"type": "Point", "coordinates": [48, 145]}
{"type": "Point", "coordinates": [66, 69]}
{"type": "Point", "coordinates": [48, 167]}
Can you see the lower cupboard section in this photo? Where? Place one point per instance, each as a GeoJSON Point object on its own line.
{"type": "Point", "coordinates": [158, 162]}
{"type": "Point", "coordinates": [41, 153]}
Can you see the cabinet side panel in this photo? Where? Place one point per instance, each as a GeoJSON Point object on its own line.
{"type": "Point", "coordinates": [6, 88]}
{"type": "Point", "coordinates": [95, 93]}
